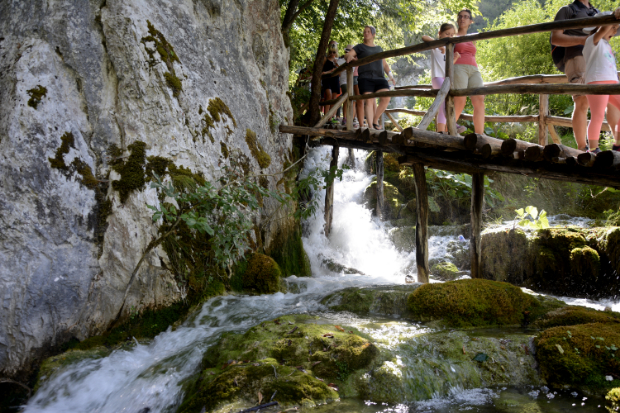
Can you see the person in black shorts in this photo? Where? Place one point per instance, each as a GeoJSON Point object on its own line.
{"type": "Point", "coordinates": [330, 86]}
{"type": "Point", "coordinates": [371, 76]}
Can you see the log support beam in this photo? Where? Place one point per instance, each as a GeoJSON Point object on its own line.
{"type": "Point", "coordinates": [450, 114]}
{"type": "Point", "coordinates": [421, 228]}
{"type": "Point", "coordinates": [329, 193]}
{"type": "Point", "coordinates": [543, 112]}
{"type": "Point", "coordinates": [477, 201]}
{"type": "Point", "coordinates": [380, 210]}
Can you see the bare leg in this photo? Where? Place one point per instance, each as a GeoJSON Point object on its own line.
{"type": "Point", "coordinates": [478, 102]}
{"type": "Point", "coordinates": [580, 120]}
{"type": "Point", "coordinates": [370, 110]}
{"type": "Point", "coordinates": [459, 105]}
{"type": "Point", "coordinates": [441, 127]}
{"type": "Point", "coordinates": [613, 117]}
{"type": "Point", "coordinates": [383, 104]}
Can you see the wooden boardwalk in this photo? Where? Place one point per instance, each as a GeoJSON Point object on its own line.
{"type": "Point", "coordinates": [473, 154]}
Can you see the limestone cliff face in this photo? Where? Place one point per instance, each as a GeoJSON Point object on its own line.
{"type": "Point", "coordinates": [78, 76]}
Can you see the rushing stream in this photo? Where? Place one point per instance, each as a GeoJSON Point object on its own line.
{"type": "Point", "coordinates": [148, 377]}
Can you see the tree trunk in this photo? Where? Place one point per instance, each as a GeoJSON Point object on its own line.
{"type": "Point", "coordinates": [314, 111]}
{"type": "Point", "coordinates": [292, 12]}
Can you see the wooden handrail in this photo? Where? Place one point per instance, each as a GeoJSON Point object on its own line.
{"type": "Point", "coordinates": [513, 31]}
{"type": "Point", "coordinates": [563, 89]}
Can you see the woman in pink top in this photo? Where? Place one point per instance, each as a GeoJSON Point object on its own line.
{"type": "Point", "coordinates": [466, 73]}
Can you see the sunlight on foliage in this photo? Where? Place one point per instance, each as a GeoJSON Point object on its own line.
{"type": "Point", "coordinates": [530, 218]}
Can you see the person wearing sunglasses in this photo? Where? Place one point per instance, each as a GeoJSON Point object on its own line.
{"type": "Point", "coordinates": [371, 77]}
{"type": "Point", "coordinates": [330, 85]}
{"type": "Point", "coordinates": [467, 75]}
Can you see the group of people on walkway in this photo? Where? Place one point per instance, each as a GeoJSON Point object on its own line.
{"type": "Point", "coordinates": [584, 55]}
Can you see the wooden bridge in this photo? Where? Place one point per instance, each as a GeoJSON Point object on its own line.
{"type": "Point", "coordinates": [473, 154]}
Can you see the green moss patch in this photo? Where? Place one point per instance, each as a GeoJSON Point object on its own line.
{"type": "Point", "coordinates": [131, 171]}
{"type": "Point", "coordinates": [573, 315]}
{"type": "Point", "coordinates": [471, 303]}
{"type": "Point", "coordinates": [217, 107]}
{"type": "Point", "coordinates": [580, 355]}
{"type": "Point", "coordinates": [290, 354]}
{"type": "Point", "coordinates": [445, 270]}
{"type": "Point", "coordinates": [68, 142]}
{"type": "Point", "coordinates": [224, 150]}
{"type": "Point", "coordinates": [287, 249]}
{"type": "Point", "coordinates": [167, 55]}
{"type": "Point", "coordinates": [262, 274]}
{"type": "Point", "coordinates": [36, 94]}
{"type": "Point", "coordinates": [262, 157]}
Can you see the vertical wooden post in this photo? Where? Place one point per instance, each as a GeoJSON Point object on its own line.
{"type": "Point", "coordinates": [450, 115]}
{"type": "Point", "coordinates": [351, 103]}
{"type": "Point", "coordinates": [380, 196]}
{"type": "Point", "coordinates": [351, 159]}
{"type": "Point", "coordinates": [543, 112]}
{"type": "Point", "coordinates": [477, 201]}
{"type": "Point", "coordinates": [421, 227]}
{"type": "Point", "coordinates": [329, 193]}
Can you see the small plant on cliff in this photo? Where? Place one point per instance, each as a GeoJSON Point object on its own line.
{"type": "Point", "coordinates": [529, 217]}
{"type": "Point", "coordinates": [224, 214]}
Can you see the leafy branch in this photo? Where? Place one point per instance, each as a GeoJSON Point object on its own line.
{"type": "Point", "coordinates": [529, 217]}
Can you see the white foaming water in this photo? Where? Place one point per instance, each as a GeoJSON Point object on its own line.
{"type": "Point", "coordinates": [357, 240]}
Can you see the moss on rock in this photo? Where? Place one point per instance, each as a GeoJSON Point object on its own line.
{"type": "Point", "coordinates": [36, 95]}
{"type": "Point", "coordinates": [574, 315]}
{"type": "Point", "coordinates": [262, 274]}
{"type": "Point", "coordinates": [301, 352]}
{"type": "Point", "coordinates": [287, 249]}
{"type": "Point", "coordinates": [580, 355]}
{"type": "Point", "coordinates": [471, 303]}
{"type": "Point", "coordinates": [262, 157]}
{"type": "Point", "coordinates": [217, 107]}
{"type": "Point", "coordinates": [68, 142]}
{"type": "Point", "coordinates": [445, 271]}
{"type": "Point", "coordinates": [132, 171]}
{"type": "Point", "coordinates": [167, 55]}
{"type": "Point", "coordinates": [386, 301]}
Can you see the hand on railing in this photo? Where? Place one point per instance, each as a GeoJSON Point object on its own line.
{"type": "Point", "coordinates": [457, 56]}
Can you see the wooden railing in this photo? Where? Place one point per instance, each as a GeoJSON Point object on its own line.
{"type": "Point", "coordinates": [542, 85]}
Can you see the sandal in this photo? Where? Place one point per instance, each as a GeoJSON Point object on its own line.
{"type": "Point", "coordinates": [376, 126]}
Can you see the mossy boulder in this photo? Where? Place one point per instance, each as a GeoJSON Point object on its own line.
{"type": "Point", "coordinates": [53, 364]}
{"type": "Point", "coordinates": [395, 207]}
{"type": "Point", "coordinates": [293, 355]}
{"type": "Point", "coordinates": [472, 303]}
{"type": "Point", "coordinates": [580, 355]}
{"type": "Point", "coordinates": [564, 261]}
{"type": "Point", "coordinates": [432, 365]}
{"type": "Point", "coordinates": [262, 274]}
{"type": "Point", "coordinates": [574, 315]}
{"type": "Point", "coordinates": [445, 271]}
{"type": "Point", "coordinates": [380, 300]}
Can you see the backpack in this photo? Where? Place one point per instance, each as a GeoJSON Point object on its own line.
{"type": "Point", "coordinates": [558, 52]}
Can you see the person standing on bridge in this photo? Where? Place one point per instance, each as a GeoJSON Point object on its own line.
{"type": "Point", "coordinates": [371, 76]}
{"type": "Point", "coordinates": [567, 53]}
{"type": "Point", "coordinates": [466, 73]}
{"type": "Point", "coordinates": [438, 69]}
{"type": "Point", "coordinates": [600, 70]}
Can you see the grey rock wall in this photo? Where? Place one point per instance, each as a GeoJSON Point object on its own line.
{"type": "Point", "coordinates": [58, 279]}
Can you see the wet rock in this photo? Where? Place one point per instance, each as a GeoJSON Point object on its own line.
{"type": "Point", "coordinates": [445, 271]}
{"type": "Point", "coordinates": [573, 315]}
{"type": "Point", "coordinates": [297, 356]}
{"type": "Point", "coordinates": [379, 300]}
{"type": "Point", "coordinates": [580, 355]}
{"type": "Point", "coordinates": [333, 266]}
{"type": "Point", "coordinates": [262, 274]}
{"type": "Point", "coordinates": [477, 303]}
{"type": "Point", "coordinates": [396, 206]}
{"type": "Point", "coordinates": [565, 261]}
{"type": "Point", "coordinates": [432, 364]}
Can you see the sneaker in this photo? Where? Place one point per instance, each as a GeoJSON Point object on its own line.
{"type": "Point", "coordinates": [596, 151]}
{"type": "Point", "coordinates": [334, 121]}
{"type": "Point", "coordinates": [615, 147]}
{"type": "Point", "coordinates": [460, 128]}
{"type": "Point", "coordinates": [344, 121]}
{"type": "Point", "coordinates": [356, 124]}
